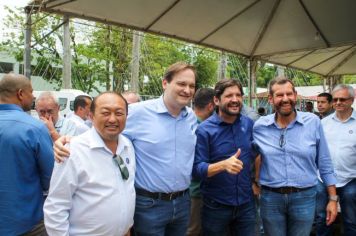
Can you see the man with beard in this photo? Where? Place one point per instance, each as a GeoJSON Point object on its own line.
{"type": "Point", "coordinates": [292, 147]}
{"type": "Point", "coordinates": [223, 157]}
{"type": "Point", "coordinates": [26, 160]}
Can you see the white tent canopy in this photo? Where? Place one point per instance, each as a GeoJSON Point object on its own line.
{"type": "Point", "coordinates": [313, 35]}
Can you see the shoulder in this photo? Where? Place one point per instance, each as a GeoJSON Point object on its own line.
{"type": "Point", "coordinates": [147, 105]}
{"type": "Point", "coordinates": [264, 121]}
{"type": "Point", "coordinates": [308, 118]}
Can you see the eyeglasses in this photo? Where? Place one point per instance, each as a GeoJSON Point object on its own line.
{"type": "Point", "coordinates": [282, 138]}
{"type": "Point", "coordinates": [340, 99]}
{"type": "Point", "coordinates": [123, 169]}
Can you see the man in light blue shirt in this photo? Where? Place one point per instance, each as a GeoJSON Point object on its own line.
{"type": "Point", "coordinates": [163, 134]}
{"type": "Point", "coordinates": [340, 133]}
{"type": "Point", "coordinates": [292, 147]}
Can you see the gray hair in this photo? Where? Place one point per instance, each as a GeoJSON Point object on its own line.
{"type": "Point", "coordinates": [48, 95]}
{"type": "Point", "coordinates": [344, 86]}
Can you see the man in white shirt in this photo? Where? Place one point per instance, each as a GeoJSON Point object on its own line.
{"type": "Point", "coordinates": [340, 133]}
{"type": "Point", "coordinates": [47, 108]}
{"type": "Point", "coordinates": [81, 114]}
{"type": "Point", "coordinates": [92, 192]}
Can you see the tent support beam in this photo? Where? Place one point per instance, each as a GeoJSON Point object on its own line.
{"type": "Point", "coordinates": [228, 21]}
{"type": "Point", "coordinates": [314, 23]}
{"type": "Point", "coordinates": [27, 54]}
{"type": "Point", "coordinates": [252, 68]}
{"type": "Point", "coordinates": [329, 58]}
{"type": "Point", "coordinates": [299, 58]}
{"type": "Point", "coordinates": [265, 27]}
{"type": "Point", "coordinates": [351, 54]}
{"type": "Point", "coordinates": [67, 56]}
{"type": "Point", "coordinates": [162, 14]}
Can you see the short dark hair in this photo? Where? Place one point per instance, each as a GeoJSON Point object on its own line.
{"type": "Point", "coordinates": [261, 110]}
{"type": "Point", "coordinates": [81, 101]}
{"type": "Point", "coordinates": [226, 83]}
{"type": "Point", "coordinates": [279, 80]}
{"type": "Point", "coordinates": [177, 67]}
{"type": "Point", "coordinates": [203, 97]}
{"type": "Point", "coordinates": [93, 104]}
{"type": "Point", "coordinates": [328, 96]}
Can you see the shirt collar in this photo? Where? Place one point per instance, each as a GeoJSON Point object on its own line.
{"type": "Point", "coordinates": [97, 142]}
{"type": "Point", "coordinates": [217, 119]}
{"type": "Point", "coordinates": [271, 119]}
{"type": "Point", "coordinates": [353, 116]}
{"type": "Point", "coordinates": [10, 107]}
{"type": "Point", "coordinates": [161, 108]}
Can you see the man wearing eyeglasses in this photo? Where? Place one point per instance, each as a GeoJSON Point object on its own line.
{"type": "Point", "coordinates": [92, 192]}
{"type": "Point", "coordinates": [340, 133]}
{"type": "Point", "coordinates": [292, 147]}
{"type": "Point", "coordinates": [47, 108]}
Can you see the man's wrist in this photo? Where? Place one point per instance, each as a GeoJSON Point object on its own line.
{"type": "Point", "coordinates": [334, 198]}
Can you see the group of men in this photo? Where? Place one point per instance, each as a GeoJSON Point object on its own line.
{"type": "Point", "coordinates": [150, 150]}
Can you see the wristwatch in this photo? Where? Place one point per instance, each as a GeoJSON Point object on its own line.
{"type": "Point", "coordinates": [334, 198]}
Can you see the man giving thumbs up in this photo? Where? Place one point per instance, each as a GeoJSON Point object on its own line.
{"type": "Point", "coordinates": [223, 157]}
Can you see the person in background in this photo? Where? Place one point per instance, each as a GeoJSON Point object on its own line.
{"type": "Point", "coordinates": [47, 108]}
{"type": "Point", "coordinates": [26, 160]}
{"type": "Point", "coordinates": [261, 111]}
{"type": "Point", "coordinates": [81, 114]}
{"type": "Point", "coordinates": [292, 148]}
{"type": "Point", "coordinates": [203, 103]}
{"type": "Point", "coordinates": [309, 107]}
{"type": "Point", "coordinates": [325, 108]}
{"type": "Point", "coordinates": [324, 104]}
{"type": "Point", "coordinates": [340, 133]}
{"type": "Point", "coordinates": [131, 97]}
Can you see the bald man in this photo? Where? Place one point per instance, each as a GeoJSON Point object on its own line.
{"type": "Point", "coordinates": [26, 161]}
{"type": "Point", "coordinates": [131, 97]}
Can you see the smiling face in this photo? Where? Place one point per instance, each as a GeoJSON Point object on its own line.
{"type": "Point", "coordinates": [342, 101]}
{"type": "Point", "coordinates": [283, 98]}
{"type": "Point", "coordinates": [109, 116]}
{"type": "Point", "coordinates": [230, 102]}
{"type": "Point", "coordinates": [180, 90]}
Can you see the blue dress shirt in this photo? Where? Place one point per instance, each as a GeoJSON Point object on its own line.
{"type": "Point", "coordinates": [26, 163]}
{"type": "Point", "coordinates": [164, 145]}
{"type": "Point", "coordinates": [341, 138]}
{"type": "Point", "coordinates": [292, 156]}
{"type": "Point", "coordinates": [217, 141]}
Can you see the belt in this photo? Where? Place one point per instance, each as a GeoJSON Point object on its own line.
{"type": "Point", "coordinates": [162, 196]}
{"type": "Point", "coordinates": [285, 190]}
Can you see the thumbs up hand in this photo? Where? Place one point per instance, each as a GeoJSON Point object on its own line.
{"type": "Point", "coordinates": [233, 164]}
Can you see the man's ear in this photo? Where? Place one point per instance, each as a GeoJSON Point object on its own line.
{"type": "Point", "coordinates": [216, 101]}
{"type": "Point", "coordinates": [19, 94]}
{"type": "Point", "coordinates": [91, 115]}
{"type": "Point", "coordinates": [164, 84]}
{"type": "Point", "coordinates": [270, 99]}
